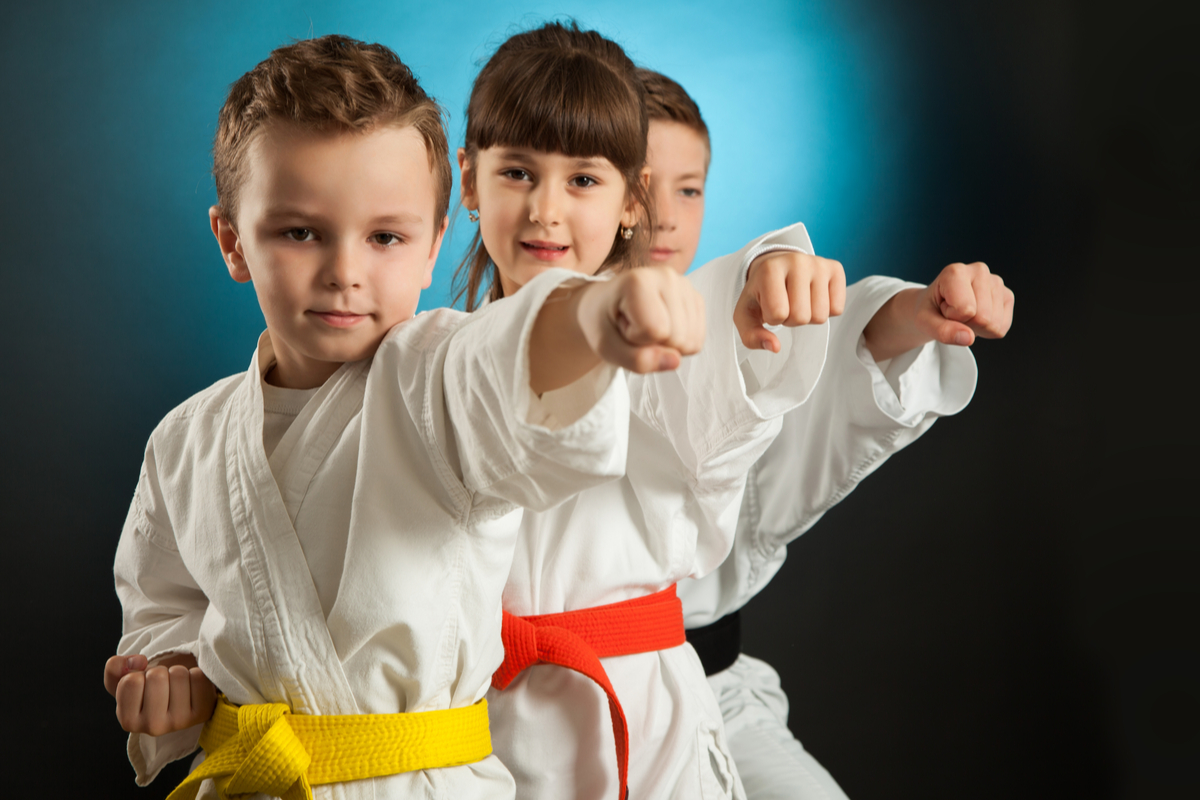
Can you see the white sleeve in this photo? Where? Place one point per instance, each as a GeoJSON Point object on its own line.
{"type": "Point", "coordinates": [858, 416]}
{"type": "Point", "coordinates": [162, 608]}
{"type": "Point", "coordinates": [725, 391]}
{"type": "Point", "coordinates": [721, 409]}
{"type": "Point", "coordinates": [509, 443]}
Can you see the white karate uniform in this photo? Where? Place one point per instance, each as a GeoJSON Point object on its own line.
{"type": "Point", "coordinates": [359, 570]}
{"type": "Point", "coordinates": [859, 415]}
{"type": "Point", "coordinates": [693, 435]}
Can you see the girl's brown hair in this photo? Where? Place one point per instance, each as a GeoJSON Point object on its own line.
{"type": "Point", "coordinates": [333, 83]}
{"type": "Point", "coordinates": [561, 90]}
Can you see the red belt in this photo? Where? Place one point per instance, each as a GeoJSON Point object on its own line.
{"type": "Point", "coordinates": [579, 639]}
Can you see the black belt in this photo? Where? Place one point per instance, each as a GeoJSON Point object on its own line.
{"type": "Point", "coordinates": [718, 644]}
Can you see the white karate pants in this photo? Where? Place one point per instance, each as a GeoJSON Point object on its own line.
{"type": "Point", "coordinates": [772, 762]}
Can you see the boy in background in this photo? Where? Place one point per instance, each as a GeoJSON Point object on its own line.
{"type": "Point", "coordinates": [897, 360]}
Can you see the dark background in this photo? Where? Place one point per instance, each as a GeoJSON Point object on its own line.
{"type": "Point", "coordinates": [1009, 608]}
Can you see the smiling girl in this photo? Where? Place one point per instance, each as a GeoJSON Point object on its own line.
{"type": "Point", "coordinates": [553, 169]}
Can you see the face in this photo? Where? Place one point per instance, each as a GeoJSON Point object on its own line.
{"type": "Point", "coordinates": [539, 210]}
{"type": "Point", "coordinates": [336, 231]}
{"type": "Point", "coordinates": [678, 159]}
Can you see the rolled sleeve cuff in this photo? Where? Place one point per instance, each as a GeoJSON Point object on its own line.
{"type": "Point", "coordinates": [934, 379]}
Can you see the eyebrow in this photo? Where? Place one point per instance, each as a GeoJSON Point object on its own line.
{"type": "Point", "coordinates": [289, 212]}
{"type": "Point", "coordinates": [590, 163]}
{"type": "Point", "coordinates": [689, 176]}
{"type": "Point", "coordinates": [525, 155]}
{"type": "Point", "coordinates": [399, 219]}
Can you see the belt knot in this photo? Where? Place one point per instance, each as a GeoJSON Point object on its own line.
{"type": "Point", "coordinates": [249, 749]}
{"type": "Point", "coordinates": [274, 761]}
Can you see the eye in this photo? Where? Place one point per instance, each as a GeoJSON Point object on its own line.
{"type": "Point", "coordinates": [516, 174]}
{"type": "Point", "coordinates": [386, 239]}
{"type": "Point", "coordinates": [584, 181]}
{"type": "Point", "coordinates": [300, 234]}
{"type": "Point", "coordinates": [689, 192]}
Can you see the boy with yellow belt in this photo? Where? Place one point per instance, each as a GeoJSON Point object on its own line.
{"type": "Point", "coordinates": [325, 536]}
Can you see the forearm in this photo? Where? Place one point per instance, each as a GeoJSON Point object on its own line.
{"type": "Point", "coordinates": [893, 329]}
{"type": "Point", "coordinates": [559, 353]}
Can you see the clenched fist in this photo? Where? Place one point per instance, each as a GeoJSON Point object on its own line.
{"type": "Point", "coordinates": [964, 301]}
{"type": "Point", "coordinates": [791, 289]}
{"type": "Point", "coordinates": [167, 697]}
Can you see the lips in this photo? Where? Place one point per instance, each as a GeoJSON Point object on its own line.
{"type": "Point", "coordinates": [545, 251]}
{"type": "Point", "coordinates": [339, 319]}
{"type": "Point", "coordinates": [661, 253]}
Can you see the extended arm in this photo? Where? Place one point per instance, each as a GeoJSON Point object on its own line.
{"type": "Point", "coordinates": [644, 320]}
{"type": "Point", "coordinates": [964, 301]}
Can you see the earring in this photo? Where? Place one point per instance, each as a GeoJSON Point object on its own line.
{"type": "Point", "coordinates": [626, 233]}
{"type": "Point", "coordinates": [472, 215]}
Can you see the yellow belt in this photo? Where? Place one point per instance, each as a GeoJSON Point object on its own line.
{"type": "Point", "coordinates": [266, 748]}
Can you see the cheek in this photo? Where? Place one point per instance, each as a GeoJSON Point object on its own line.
{"type": "Point", "coordinates": [695, 220]}
{"type": "Point", "coordinates": [605, 219]}
{"type": "Point", "coordinates": [497, 224]}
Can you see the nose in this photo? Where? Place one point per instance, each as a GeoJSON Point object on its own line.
{"type": "Point", "coordinates": [545, 204]}
{"type": "Point", "coordinates": [664, 208]}
{"type": "Point", "coordinates": [343, 268]}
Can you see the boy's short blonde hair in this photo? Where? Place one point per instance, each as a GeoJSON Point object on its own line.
{"type": "Point", "coordinates": [333, 83]}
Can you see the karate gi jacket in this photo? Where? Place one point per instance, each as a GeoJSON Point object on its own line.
{"type": "Point", "coordinates": [694, 434]}
{"type": "Point", "coordinates": [410, 467]}
{"type": "Point", "coordinates": [860, 413]}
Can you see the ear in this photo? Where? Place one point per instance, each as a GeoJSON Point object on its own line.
{"type": "Point", "coordinates": [634, 213]}
{"type": "Point", "coordinates": [438, 238]}
{"type": "Point", "coordinates": [230, 244]}
{"type": "Point", "coordinates": [466, 186]}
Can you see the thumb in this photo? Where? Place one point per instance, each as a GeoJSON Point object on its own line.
{"type": "Point", "coordinates": [955, 333]}
{"type": "Point", "coordinates": [761, 339]}
{"type": "Point", "coordinates": [118, 667]}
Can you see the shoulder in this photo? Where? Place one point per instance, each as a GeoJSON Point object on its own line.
{"type": "Point", "coordinates": [190, 435]}
{"type": "Point", "coordinates": [198, 410]}
{"type": "Point", "coordinates": [422, 333]}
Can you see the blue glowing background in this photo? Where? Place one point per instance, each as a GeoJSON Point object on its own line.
{"type": "Point", "coordinates": [108, 182]}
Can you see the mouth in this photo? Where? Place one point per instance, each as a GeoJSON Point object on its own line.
{"type": "Point", "coordinates": [661, 253]}
{"type": "Point", "coordinates": [545, 251]}
{"type": "Point", "coordinates": [339, 319]}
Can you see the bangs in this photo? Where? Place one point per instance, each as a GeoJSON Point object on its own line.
{"type": "Point", "coordinates": [569, 104]}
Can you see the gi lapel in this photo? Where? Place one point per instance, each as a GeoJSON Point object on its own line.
{"type": "Point", "coordinates": [298, 664]}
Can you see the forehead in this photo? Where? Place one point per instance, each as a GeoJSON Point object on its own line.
{"type": "Point", "coordinates": [676, 148]}
{"type": "Point", "coordinates": [383, 170]}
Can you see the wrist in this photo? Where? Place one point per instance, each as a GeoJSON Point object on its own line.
{"type": "Point", "coordinates": [894, 328]}
{"type": "Point", "coordinates": [560, 349]}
